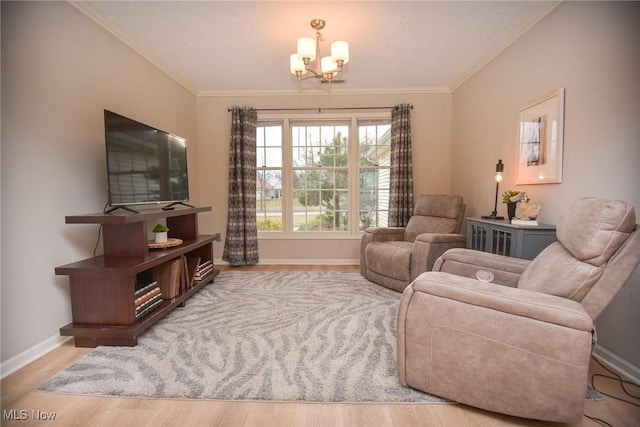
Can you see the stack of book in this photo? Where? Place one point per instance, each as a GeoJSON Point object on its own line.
{"type": "Point", "coordinates": [169, 277]}
{"type": "Point", "coordinates": [529, 222]}
{"type": "Point", "coordinates": [147, 298]}
{"type": "Point", "coordinates": [204, 269]}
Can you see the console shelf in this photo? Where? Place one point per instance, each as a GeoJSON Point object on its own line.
{"type": "Point", "coordinates": [104, 310]}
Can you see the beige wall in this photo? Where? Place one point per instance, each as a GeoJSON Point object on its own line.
{"type": "Point", "coordinates": [431, 126]}
{"type": "Point", "coordinates": [590, 49]}
{"type": "Point", "coordinates": [59, 71]}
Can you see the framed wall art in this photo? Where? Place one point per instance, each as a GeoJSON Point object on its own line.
{"type": "Point", "coordinates": [540, 140]}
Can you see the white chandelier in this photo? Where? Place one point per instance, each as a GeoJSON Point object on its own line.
{"type": "Point", "coordinates": [309, 50]}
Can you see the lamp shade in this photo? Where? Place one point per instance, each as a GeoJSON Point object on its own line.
{"type": "Point", "coordinates": [307, 48]}
{"type": "Point", "coordinates": [296, 64]}
{"type": "Point", "coordinates": [340, 51]}
{"type": "Point", "coordinates": [328, 64]}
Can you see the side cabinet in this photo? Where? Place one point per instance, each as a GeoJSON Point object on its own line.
{"type": "Point", "coordinates": [503, 238]}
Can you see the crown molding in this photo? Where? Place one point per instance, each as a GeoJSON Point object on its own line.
{"type": "Point", "coordinates": [515, 35]}
{"type": "Point", "coordinates": [320, 92]}
{"type": "Point", "coordinates": [87, 10]}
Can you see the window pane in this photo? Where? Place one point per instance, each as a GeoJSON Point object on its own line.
{"type": "Point", "coordinates": [341, 221]}
{"type": "Point", "coordinates": [273, 136]}
{"type": "Point", "coordinates": [269, 200]}
{"type": "Point", "coordinates": [320, 177]}
{"type": "Point", "coordinates": [374, 159]}
{"type": "Point", "coordinates": [273, 156]}
{"type": "Point", "coordinates": [342, 179]}
{"type": "Point", "coordinates": [334, 146]}
{"type": "Point", "coordinates": [269, 178]}
{"type": "Point", "coordinates": [343, 200]}
{"type": "Point", "coordinates": [269, 146]}
{"type": "Point", "coordinates": [328, 200]}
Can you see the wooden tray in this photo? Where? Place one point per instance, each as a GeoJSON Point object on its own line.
{"type": "Point", "coordinates": [169, 243]}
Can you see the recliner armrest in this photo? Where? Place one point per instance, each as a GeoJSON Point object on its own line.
{"type": "Point", "coordinates": [441, 238]}
{"type": "Point", "coordinates": [381, 234]}
{"type": "Point", "coordinates": [428, 247]}
{"type": "Point", "coordinates": [377, 234]}
{"type": "Point", "coordinates": [518, 302]}
{"type": "Point", "coordinates": [467, 262]}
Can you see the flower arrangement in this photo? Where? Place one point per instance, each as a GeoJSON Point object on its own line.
{"type": "Point", "coordinates": [512, 196]}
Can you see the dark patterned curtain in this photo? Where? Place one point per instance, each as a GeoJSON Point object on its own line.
{"type": "Point", "coordinates": [401, 181]}
{"type": "Point", "coordinates": [241, 241]}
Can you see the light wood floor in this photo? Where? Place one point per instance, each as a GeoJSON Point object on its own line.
{"type": "Point", "coordinates": [20, 395]}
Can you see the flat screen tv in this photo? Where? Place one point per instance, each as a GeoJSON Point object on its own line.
{"type": "Point", "coordinates": [145, 165]}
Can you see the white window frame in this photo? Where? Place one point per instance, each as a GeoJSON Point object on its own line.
{"type": "Point", "coordinates": [287, 187]}
{"type": "Point", "coordinates": [265, 168]}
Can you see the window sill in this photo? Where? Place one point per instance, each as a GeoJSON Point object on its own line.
{"type": "Point", "coordinates": [308, 236]}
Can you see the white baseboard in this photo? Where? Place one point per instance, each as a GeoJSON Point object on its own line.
{"type": "Point", "coordinates": [21, 360]}
{"type": "Point", "coordinates": [279, 261]}
{"type": "Point", "coordinates": [626, 370]}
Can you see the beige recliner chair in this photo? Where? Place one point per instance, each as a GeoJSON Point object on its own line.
{"type": "Point", "coordinates": [394, 256]}
{"type": "Point", "coordinates": [515, 336]}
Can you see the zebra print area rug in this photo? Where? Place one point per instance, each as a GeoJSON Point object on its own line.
{"type": "Point", "coordinates": [267, 336]}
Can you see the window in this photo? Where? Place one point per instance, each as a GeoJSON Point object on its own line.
{"type": "Point", "coordinates": [375, 155]}
{"type": "Point", "coordinates": [320, 171]}
{"type": "Point", "coordinates": [269, 177]}
{"type": "Point", "coordinates": [313, 180]}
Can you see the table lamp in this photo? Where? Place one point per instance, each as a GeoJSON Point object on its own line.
{"type": "Point", "coordinates": [498, 178]}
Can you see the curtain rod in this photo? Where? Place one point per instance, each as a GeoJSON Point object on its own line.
{"type": "Point", "coordinates": [320, 109]}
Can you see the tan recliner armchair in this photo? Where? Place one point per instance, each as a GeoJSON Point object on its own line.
{"type": "Point", "coordinates": [395, 256]}
{"type": "Point", "coordinates": [515, 336]}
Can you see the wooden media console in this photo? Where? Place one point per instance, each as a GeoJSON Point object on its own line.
{"type": "Point", "coordinates": [114, 297]}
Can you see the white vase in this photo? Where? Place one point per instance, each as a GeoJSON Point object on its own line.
{"type": "Point", "coordinates": [161, 237]}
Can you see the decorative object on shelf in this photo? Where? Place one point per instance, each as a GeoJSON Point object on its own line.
{"type": "Point", "coordinates": [527, 211]}
{"type": "Point", "coordinates": [171, 242]}
{"type": "Point", "coordinates": [498, 178]}
{"type": "Point", "coordinates": [511, 198]}
{"type": "Point", "coordinates": [309, 50]}
{"type": "Point", "coordinates": [525, 222]}
{"type": "Point", "coordinates": [148, 297]}
{"type": "Point", "coordinates": [160, 232]}
{"type": "Point", "coordinates": [541, 129]}
{"type": "Point", "coordinates": [511, 210]}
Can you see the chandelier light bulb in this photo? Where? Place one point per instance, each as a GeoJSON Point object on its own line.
{"type": "Point", "coordinates": [327, 64]}
{"type": "Point", "coordinates": [498, 176]}
{"type": "Point", "coordinates": [307, 48]}
{"type": "Point", "coordinates": [297, 65]}
{"type": "Point", "coordinates": [340, 51]}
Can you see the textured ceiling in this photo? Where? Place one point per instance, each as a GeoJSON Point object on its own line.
{"type": "Point", "coordinates": [242, 46]}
